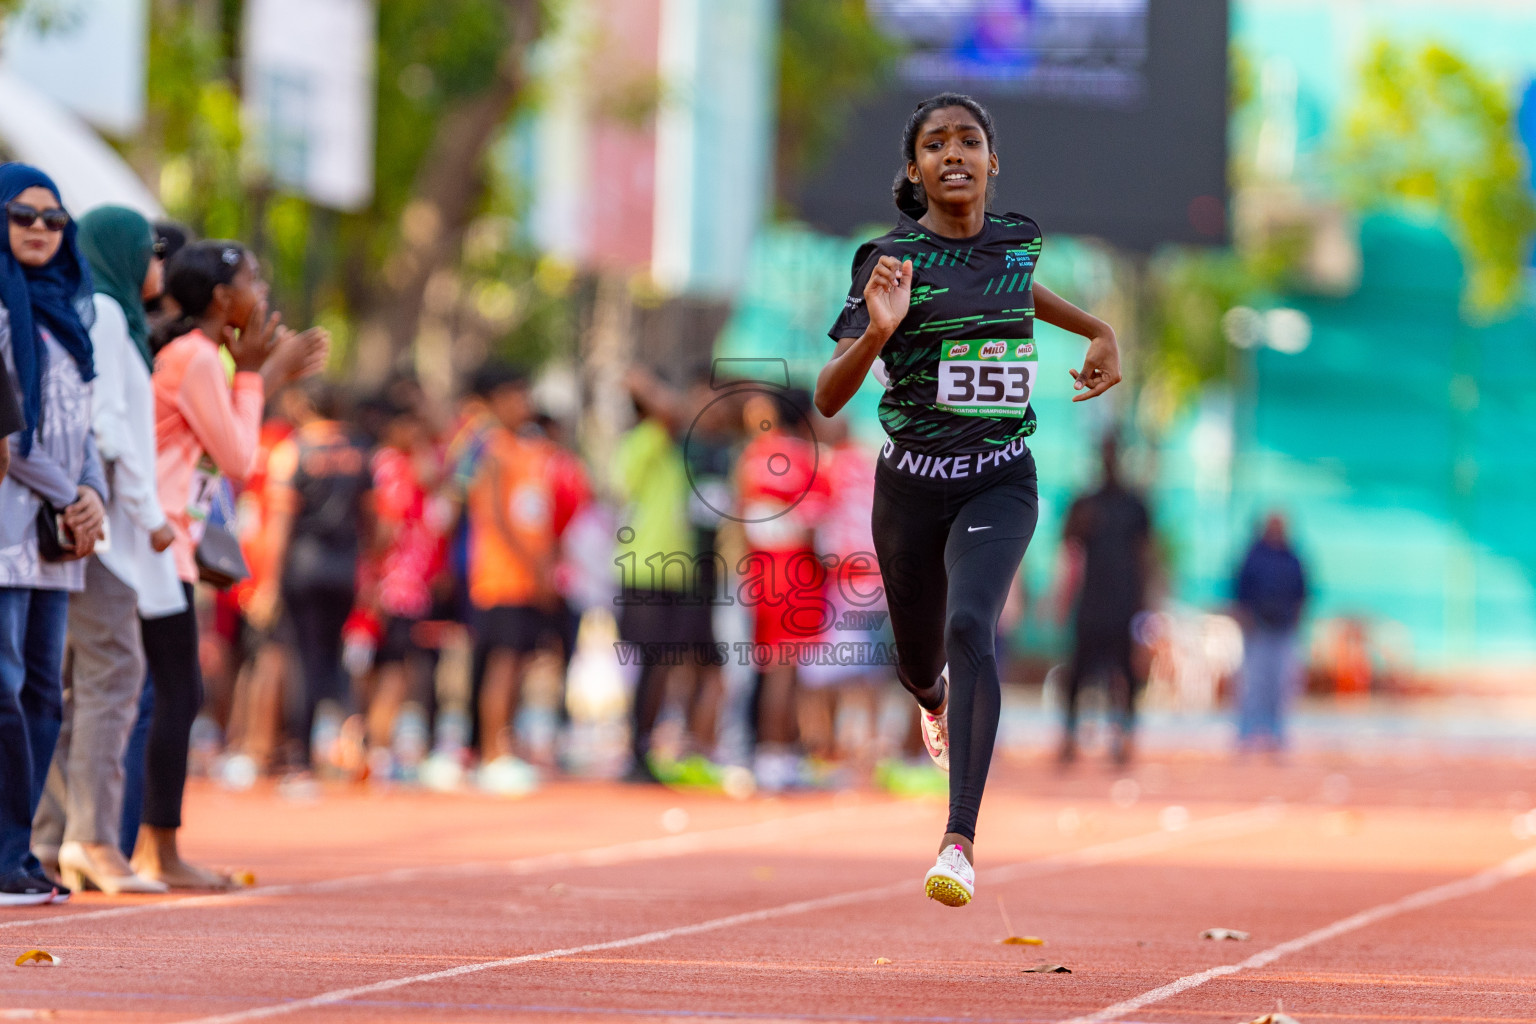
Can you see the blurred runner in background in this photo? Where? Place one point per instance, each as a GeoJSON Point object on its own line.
{"type": "Point", "coordinates": [664, 606]}
{"type": "Point", "coordinates": [411, 556]}
{"type": "Point", "coordinates": [570, 495]}
{"type": "Point", "coordinates": [321, 522]}
{"type": "Point", "coordinates": [1112, 529]}
{"type": "Point", "coordinates": [853, 593]}
{"type": "Point", "coordinates": [256, 714]}
{"type": "Point", "coordinates": [782, 494]}
{"type": "Point", "coordinates": [511, 570]}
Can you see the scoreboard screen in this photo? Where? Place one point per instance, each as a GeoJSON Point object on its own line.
{"type": "Point", "coordinates": [1111, 114]}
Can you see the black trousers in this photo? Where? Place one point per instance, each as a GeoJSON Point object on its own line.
{"type": "Point", "coordinates": [316, 617]}
{"type": "Point", "coordinates": [1104, 646]}
{"type": "Point", "coordinates": [170, 651]}
{"type": "Point", "coordinates": [948, 551]}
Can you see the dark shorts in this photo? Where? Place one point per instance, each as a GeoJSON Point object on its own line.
{"type": "Point", "coordinates": [516, 628]}
{"type": "Point", "coordinates": [397, 641]}
{"type": "Point", "coordinates": [668, 620]}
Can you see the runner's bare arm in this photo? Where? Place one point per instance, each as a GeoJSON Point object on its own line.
{"type": "Point", "coordinates": [1101, 365]}
{"type": "Point", "coordinates": [887, 296]}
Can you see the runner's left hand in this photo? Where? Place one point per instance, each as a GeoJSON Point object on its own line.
{"type": "Point", "coordinates": [1101, 369]}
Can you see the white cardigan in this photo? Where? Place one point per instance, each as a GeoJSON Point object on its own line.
{"type": "Point", "coordinates": [123, 420]}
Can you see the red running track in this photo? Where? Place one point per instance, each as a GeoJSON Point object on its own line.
{"type": "Point", "coordinates": [1372, 892]}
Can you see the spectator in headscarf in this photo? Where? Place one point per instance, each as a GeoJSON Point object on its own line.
{"type": "Point", "coordinates": [79, 821]}
{"type": "Point", "coordinates": [52, 501]}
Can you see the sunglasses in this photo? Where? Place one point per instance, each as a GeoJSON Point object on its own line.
{"type": "Point", "coordinates": [25, 216]}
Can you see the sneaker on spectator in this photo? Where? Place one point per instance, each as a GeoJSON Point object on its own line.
{"type": "Point", "coordinates": [508, 776]}
{"type": "Point", "coordinates": [61, 892]}
{"type": "Point", "coordinates": [19, 889]}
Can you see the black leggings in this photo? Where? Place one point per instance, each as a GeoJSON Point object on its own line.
{"type": "Point", "coordinates": [948, 552]}
{"type": "Point", "coordinates": [170, 651]}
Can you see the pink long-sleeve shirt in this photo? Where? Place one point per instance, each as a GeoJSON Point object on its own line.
{"type": "Point", "coordinates": [196, 412]}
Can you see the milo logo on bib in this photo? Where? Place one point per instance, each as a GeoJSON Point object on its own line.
{"type": "Point", "coordinates": [995, 382]}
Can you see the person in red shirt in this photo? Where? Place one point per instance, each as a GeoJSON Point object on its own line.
{"type": "Point", "coordinates": [781, 496]}
{"type": "Point", "coordinates": [412, 553]}
{"type": "Point", "coordinates": [854, 592]}
{"type": "Point", "coordinates": [570, 493]}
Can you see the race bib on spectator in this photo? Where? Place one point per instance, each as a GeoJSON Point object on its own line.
{"type": "Point", "coordinates": [205, 487]}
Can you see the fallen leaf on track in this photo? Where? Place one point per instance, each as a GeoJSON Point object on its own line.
{"type": "Point", "coordinates": [882, 960]}
{"type": "Point", "coordinates": [1047, 969]}
{"type": "Point", "coordinates": [1023, 940]}
{"type": "Point", "coordinates": [1221, 934]}
{"type": "Point", "coordinates": [243, 879]}
{"type": "Point", "coordinates": [37, 956]}
{"type": "Point", "coordinates": [1275, 1018]}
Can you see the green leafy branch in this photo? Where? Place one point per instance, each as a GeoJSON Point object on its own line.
{"type": "Point", "coordinates": [1430, 131]}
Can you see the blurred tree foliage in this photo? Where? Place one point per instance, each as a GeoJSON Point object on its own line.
{"type": "Point", "coordinates": [1429, 130]}
{"type": "Point", "coordinates": [442, 221]}
{"type": "Point", "coordinates": [1184, 291]}
{"type": "Point", "coordinates": [831, 55]}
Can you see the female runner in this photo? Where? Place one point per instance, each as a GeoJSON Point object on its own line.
{"type": "Point", "coordinates": [943, 308]}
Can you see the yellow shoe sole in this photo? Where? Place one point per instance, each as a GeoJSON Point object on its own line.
{"type": "Point", "coordinates": [946, 891]}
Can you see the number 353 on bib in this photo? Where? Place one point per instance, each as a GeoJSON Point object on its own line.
{"type": "Point", "coordinates": [987, 378]}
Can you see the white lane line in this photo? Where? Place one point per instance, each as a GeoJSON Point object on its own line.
{"type": "Point", "coordinates": [1516, 866]}
{"type": "Point", "coordinates": [1241, 822]}
{"type": "Point", "coordinates": [601, 856]}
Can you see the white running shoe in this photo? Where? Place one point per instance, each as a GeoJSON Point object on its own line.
{"type": "Point", "coordinates": [936, 729]}
{"type": "Point", "coordinates": [952, 881]}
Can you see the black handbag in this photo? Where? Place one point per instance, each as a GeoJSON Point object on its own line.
{"type": "Point", "coordinates": [220, 562]}
{"type": "Point", "coordinates": [50, 546]}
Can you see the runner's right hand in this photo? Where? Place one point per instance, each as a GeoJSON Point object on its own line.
{"type": "Point", "coordinates": [888, 294]}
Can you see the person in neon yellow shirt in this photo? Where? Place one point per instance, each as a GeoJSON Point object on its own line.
{"type": "Point", "coordinates": [664, 613]}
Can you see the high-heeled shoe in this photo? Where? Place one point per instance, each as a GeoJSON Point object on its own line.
{"type": "Point", "coordinates": [77, 871]}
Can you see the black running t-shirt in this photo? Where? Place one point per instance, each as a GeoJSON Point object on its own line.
{"type": "Point", "coordinates": [959, 370]}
